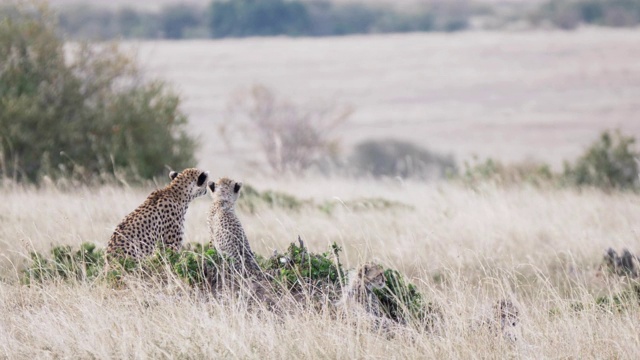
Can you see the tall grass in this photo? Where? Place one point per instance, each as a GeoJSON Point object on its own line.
{"type": "Point", "coordinates": [464, 248]}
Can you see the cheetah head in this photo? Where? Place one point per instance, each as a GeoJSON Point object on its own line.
{"type": "Point", "coordinates": [509, 316]}
{"type": "Point", "coordinates": [373, 276]}
{"type": "Point", "coordinates": [225, 191]}
{"type": "Point", "coordinates": [190, 182]}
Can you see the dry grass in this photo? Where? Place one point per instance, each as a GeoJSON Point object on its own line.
{"type": "Point", "coordinates": [539, 247]}
{"type": "Point", "coordinates": [542, 94]}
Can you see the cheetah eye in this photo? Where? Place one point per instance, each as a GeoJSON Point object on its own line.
{"type": "Point", "coordinates": [202, 178]}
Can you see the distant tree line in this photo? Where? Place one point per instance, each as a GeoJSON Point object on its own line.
{"type": "Point", "coordinates": [241, 18]}
{"type": "Point", "coordinates": [569, 14]}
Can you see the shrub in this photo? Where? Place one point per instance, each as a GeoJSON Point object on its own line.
{"type": "Point", "coordinates": [83, 265]}
{"type": "Point", "coordinates": [292, 138]}
{"type": "Point", "coordinates": [296, 272]}
{"type": "Point", "coordinates": [403, 303]}
{"type": "Point", "coordinates": [380, 158]}
{"type": "Point", "coordinates": [301, 271]}
{"type": "Point", "coordinates": [610, 163]}
{"type": "Point", "coordinates": [508, 174]}
{"type": "Point", "coordinates": [88, 115]}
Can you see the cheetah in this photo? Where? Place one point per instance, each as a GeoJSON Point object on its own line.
{"type": "Point", "coordinates": [225, 229]}
{"type": "Point", "coordinates": [359, 299]}
{"type": "Point", "coordinates": [507, 315]}
{"type": "Point", "coordinates": [160, 218]}
{"type": "Point", "coordinates": [359, 290]}
{"type": "Point", "coordinates": [504, 319]}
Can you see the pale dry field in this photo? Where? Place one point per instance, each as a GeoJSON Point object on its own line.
{"type": "Point", "coordinates": [542, 95]}
{"type": "Point", "coordinates": [540, 248]}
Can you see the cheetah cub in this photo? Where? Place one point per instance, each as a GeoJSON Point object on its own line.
{"type": "Point", "coordinates": [507, 315]}
{"type": "Point", "coordinates": [359, 291]}
{"type": "Point", "coordinates": [225, 229]}
{"type": "Point", "coordinates": [503, 319]}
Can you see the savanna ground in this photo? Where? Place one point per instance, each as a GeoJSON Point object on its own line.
{"type": "Point", "coordinates": [510, 96]}
{"type": "Point", "coordinates": [464, 248]}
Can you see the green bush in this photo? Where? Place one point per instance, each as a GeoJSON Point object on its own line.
{"type": "Point", "coordinates": [299, 270]}
{"type": "Point", "coordinates": [380, 158]}
{"type": "Point", "coordinates": [403, 303]}
{"type": "Point", "coordinates": [84, 264]}
{"type": "Point", "coordinates": [86, 115]}
{"type": "Point", "coordinates": [609, 163]}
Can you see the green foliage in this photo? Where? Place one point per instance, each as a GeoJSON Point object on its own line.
{"type": "Point", "coordinates": [403, 303]}
{"type": "Point", "coordinates": [626, 299]}
{"type": "Point", "coordinates": [298, 269]}
{"type": "Point", "coordinates": [196, 267]}
{"type": "Point", "coordinates": [610, 163]}
{"type": "Point", "coordinates": [86, 117]}
{"type": "Point", "coordinates": [380, 158]}
{"type": "Point", "coordinates": [84, 264]}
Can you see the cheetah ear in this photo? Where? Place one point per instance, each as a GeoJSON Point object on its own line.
{"type": "Point", "coordinates": [212, 186]}
{"type": "Point", "coordinates": [236, 187]}
{"type": "Point", "coordinates": [202, 178]}
{"type": "Point", "coordinates": [172, 175]}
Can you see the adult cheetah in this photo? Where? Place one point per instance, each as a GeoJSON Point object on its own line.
{"type": "Point", "coordinates": [160, 218]}
{"type": "Point", "coordinates": [227, 234]}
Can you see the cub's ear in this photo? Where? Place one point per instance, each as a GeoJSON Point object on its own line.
{"type": "Point", "coordinates": [202, 178]}
{"type": "Point", "coordinates": [172, 175]}
{"type": "Point", "coordinates": [237, 187]}
{"type": "Point", "coordinates": [212, 186]}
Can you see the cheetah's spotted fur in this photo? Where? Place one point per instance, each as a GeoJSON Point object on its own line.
{"type": "Point", "coordinates": [227, 234]}
{"type": "Point", "coordinates": [160, 218]}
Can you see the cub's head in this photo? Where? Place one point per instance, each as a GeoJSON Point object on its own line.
{"type": "Point", "coordinates": [190, 183]}
{"type": "Point", "coordinates": [508, 314]}
{"type": "Point", "coordinates": [225, 191]}
{"type": "Point", "coordinates": [373, 276]}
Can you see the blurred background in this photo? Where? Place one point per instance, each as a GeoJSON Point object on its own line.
{"type": "Point", "coordinates": [427, 89]}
